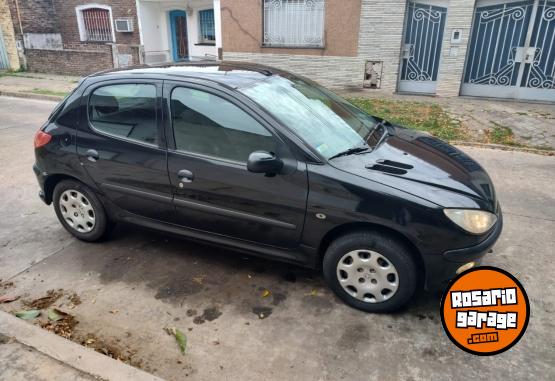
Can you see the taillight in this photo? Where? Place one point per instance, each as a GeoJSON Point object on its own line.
{"type": "Point", "coordinates": [41, 139]}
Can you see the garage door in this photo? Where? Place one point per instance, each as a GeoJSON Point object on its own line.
{"type": "Point", "coordinates": [511, 52]}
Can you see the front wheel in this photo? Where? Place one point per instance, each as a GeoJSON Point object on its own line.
{"type": "Point", "coordinates": [371, 271]}
{"type": "Point", "coordinates": [80, 211]}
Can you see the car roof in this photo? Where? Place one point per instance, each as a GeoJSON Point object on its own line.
{"type": "Point", "coordinates": [229, 73]}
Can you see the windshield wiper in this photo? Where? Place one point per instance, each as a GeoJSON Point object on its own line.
{"type": "Point", "coordinates": [350, 151]}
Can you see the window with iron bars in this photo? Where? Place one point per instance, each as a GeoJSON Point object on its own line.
{"type": "Point", "coordinates": [96, 25]}
{"type": "Point", "coordinates": [294, 23]}
{"type": "Point", "coordinates": [207, 28]}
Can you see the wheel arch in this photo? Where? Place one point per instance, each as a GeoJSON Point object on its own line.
{"type": "Point", "coordinates": [51, 182]}
{"type": "Point", "coordinates": [351, 227]}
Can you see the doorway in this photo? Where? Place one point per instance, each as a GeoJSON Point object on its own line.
{"type": "Point", "coordinates": [178, 29]}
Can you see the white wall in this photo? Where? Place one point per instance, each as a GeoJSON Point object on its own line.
{"type": "Point", "coordinates": [156, 32]}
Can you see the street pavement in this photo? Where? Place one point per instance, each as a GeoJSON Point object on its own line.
{"type": "Point", "coordinates": [140, 282]}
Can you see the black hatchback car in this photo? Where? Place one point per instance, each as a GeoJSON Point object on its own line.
{"type": "Point", "coordinates": [259, 160]}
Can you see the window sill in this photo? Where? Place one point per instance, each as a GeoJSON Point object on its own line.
{"type": "Point", "coordinates": [206, 44]}
{"type": "Point", "coordinates": [292, 47]}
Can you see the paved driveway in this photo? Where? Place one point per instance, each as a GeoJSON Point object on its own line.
{"type": "Point", "coordinates": [140, 282]}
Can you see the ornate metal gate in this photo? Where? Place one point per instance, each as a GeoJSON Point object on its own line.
{"type": "Point", "coordinates": [512, 52]}
{"type": "Point", "coordinates": [422, 47]}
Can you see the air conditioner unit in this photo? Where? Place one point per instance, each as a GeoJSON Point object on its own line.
{"type": "Point", "coordinates": [124, 25]}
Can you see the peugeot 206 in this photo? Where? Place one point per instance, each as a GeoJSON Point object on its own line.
{"type": "Point", "coordinates": [262, 161]}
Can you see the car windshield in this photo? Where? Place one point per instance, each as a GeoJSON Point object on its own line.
{"type": "Point", "coordinates": [325, 121]}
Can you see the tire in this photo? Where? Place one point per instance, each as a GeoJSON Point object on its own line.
{"type": "Point", "coordinates": [371, 264]}
{"type": "Point", "coordinates": [83, 215]}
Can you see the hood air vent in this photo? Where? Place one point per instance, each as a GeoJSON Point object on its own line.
{"type": "Point", "coordinates": [389, 166]}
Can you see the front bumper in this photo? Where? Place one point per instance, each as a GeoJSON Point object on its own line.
{"type": "Point", "coordinates": [442, 268]}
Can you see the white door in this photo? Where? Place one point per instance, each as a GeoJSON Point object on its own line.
{"type": "Point", "coordinates": [424, 27]}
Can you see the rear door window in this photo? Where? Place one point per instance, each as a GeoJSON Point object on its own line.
{"type": "Point", "coordinates": [125, 110]}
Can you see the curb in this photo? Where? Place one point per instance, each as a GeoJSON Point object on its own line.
{"type": "Point", "coordinates": [69, 353]}
{"type": "Point", "coordinates": [30, 96]}
{"type": "Point", "coordinates": [537, 151]}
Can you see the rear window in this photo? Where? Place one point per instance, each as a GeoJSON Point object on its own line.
{"type": "Point", "coordinates": [126, 111]}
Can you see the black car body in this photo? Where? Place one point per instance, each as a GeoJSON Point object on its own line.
{"type": "Point", "coordinates": [400, 187]}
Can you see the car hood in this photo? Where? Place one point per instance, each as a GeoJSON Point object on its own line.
{"type": "Point", "coordinates": [408, 160]}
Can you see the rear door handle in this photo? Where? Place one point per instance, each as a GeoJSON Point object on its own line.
{"type": "Point", "coordinates": [185, 176]}
{"type": "Point", "coordinates": [92, 155]}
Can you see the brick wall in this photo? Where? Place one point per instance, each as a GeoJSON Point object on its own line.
{"type": "Point", "coordinates": [37, 16]}
{"type": "Point", "coordinates": [69, 62]}
{"type": "Point", "coordinates": [59, 16]}
{"type": "Point", "coordinates": [459, 16]}
{"type": "Point", "coordinates": [379, 38]}
{"type": "Point", "coordinates": [9, 35]}
{"type": "Point", "coordinates": [381, 35]}
{"type": "Point", "coordinates": [67, 19]}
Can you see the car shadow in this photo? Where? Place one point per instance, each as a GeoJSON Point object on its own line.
{"type": "Point", "coordinates": [184, 273]}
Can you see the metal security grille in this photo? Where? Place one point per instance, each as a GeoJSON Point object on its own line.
{"type": "Point", "coordinates": [97, 24]}
{"type": "Point", "coordinates": [294, 23]}
{"type": "Point", "coordinates": [540, 73]}
{"type": "Point", "coordinates": [422, 48]}
{"type": "Point", "coordinates": [207, 30]}
{"type": "Point", "coordinates": [511, 53]}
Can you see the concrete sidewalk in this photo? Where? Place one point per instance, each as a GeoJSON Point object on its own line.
{"type": "Point", "coordinates": [533, 124]}
{"type": "Point", "coordinates": [36, 85]}
{"type": "Point", "coordinates": [28, 352]}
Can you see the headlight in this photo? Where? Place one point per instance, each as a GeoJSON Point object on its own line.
{"type": "Point", "coordinates": [473, 221]}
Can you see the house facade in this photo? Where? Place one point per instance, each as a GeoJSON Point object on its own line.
{"type": "Point", "coordinates": [79, 37]}
{"type": "Point", "coordinates": [487, 48]}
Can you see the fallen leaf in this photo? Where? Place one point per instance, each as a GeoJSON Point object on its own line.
{"type": "Point", "coordinates": [199, 279]}
{"type": "Point", "coordinates": [55, 314]}
{"type": "Point", "coordinates": [27, 315]}
{"type": "Point", "coordinates": [266, 293]}
{"type": "Point", "coordinates": [181, 340]}
{"type": "Point", "coordinates": [8, 298]}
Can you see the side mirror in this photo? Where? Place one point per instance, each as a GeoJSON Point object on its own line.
{"type": "Point", "coordinates": [264, 162]}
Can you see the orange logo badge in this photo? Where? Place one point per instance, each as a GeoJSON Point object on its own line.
{"type": "Point", "coordinates": [485, 311]}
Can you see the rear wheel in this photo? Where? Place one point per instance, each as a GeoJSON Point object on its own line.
{"type": "Point", "coordinates": [80, 211]}
{"type": "Point", "coordinates": [371, 271]}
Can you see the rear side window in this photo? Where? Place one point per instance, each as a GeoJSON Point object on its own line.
{"type": "Point", "coordinates": [126, 110]}
{"type": "Point", "coordinates": [207, 124]}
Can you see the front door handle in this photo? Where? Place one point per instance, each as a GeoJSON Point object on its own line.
{"type": "Point", "coordinates": [185, 176]}
{"type": "Point", "coordinates": [92, 155]}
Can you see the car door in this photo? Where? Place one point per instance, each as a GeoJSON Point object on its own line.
{"type": "Point", "coordinates": [120, 143]}
{"type": "Point", "coordinates": [210, 136]}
